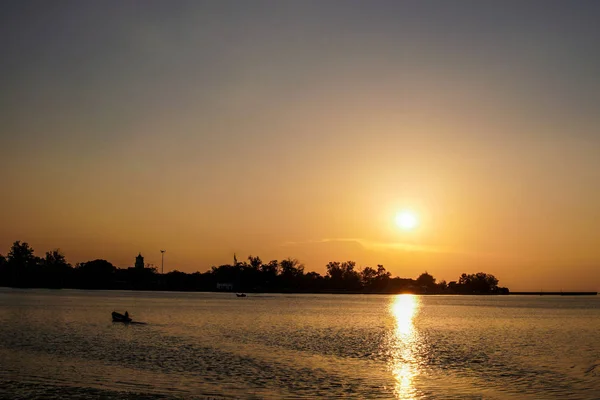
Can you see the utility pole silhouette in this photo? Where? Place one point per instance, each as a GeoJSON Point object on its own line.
{"type": "Point", "coordinates": [162, 261]}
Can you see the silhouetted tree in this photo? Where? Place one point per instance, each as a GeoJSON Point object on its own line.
{"type": "Point", "coordinates": [426, 281]}
{"type": "Point", "coordinates": [22, 264]}
{"type": "Point", "coordinates": [96, 274]}
{"type": "Point", "coordinates": [382, 273]}
{"type": "Point", "coordinates": [452, 287]}
{"type": "Point", "coordinates": [177, 280]}
{"type": "Point", "coordinates": [342, 276]}
{"type": "Point", "coordinates": [4, 272]}
{"type": "Point", "coordinates": [56, 269]}
{"type": "Point", "coordinates": [382, 280]}
{"type": "Point", "coordinates": [21, 254]}
{"type": "Point", "coordinates": [251, 274]}
{"type": "Point", "coordinates": [269, 274]}
{"type": "Point", "coordinates": [226, 273]}
{"type": "Point", "coordinates": [335, 272]}
{"type": "Point", "coordinates": [145, 278]}
{"type": "Point", "coordinates": [401, 285]}
{"type": "Point", "coordinates": [375, 280]}
{"type": "Point", "coordinates": [367, 276]}
{"type": "Point", "coordinates": [313, 281]}
{"type": "Point", "coordinates": [55, 258]}
{"type": "Point", "coordinates": [292, 272]}
{"type": "Point", "coordinates": [351, 277]}
{"type": "Point", "coordinates": [255, 262]}
{"type": "Point", "coordinates": [478, 283]}
{"type": "Point", "coordinates": [290, 267]}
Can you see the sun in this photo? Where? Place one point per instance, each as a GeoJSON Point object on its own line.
{"type": "Point", "coordinates": [407, 220]}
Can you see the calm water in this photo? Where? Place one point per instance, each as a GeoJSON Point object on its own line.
{"type": "Point", "coordinates": [62, 344]}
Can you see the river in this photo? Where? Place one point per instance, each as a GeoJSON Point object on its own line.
{"type": "Point", "coordinates": [63, 344]}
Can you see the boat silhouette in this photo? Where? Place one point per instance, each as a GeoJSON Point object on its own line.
{"type": "Point", "coordinates": [124, 318]}
{"type": "Point", "coordinates": [118, 317]}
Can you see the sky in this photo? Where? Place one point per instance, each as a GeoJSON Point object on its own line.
{"type": "Point", "coordinates": [300, 128]}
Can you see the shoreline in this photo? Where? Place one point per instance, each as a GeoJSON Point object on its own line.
{"type": "Point", "coordinates": [589, 293]}
{"type": "Point", "coordinates": [556, 293]}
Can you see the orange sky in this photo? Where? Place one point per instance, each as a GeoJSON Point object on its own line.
{"type": "Point", "coordinates": [301, 132]}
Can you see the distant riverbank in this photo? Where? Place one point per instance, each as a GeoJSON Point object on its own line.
{"type": "Point", "coordinates": [23, 269]}
{"type": "Point", "coordinates": [556, 293]}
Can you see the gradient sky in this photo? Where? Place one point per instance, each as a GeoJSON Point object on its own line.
{"type": "Point", "coordinates": [299, 128]}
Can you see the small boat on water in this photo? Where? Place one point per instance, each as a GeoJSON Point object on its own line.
{"type": "Point", "coordinates": [240, 294]}
{"type": "Point", "coordinates": [117, 317]}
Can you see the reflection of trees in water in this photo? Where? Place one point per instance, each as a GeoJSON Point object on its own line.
{"type": "Point", "coordinates": [402, 345]}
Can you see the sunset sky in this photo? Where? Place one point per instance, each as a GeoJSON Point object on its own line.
{"type": "Point", "coordinates": [301, 128]}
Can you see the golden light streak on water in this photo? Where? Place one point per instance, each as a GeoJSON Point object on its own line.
{"type": "Point", "coordinates": [404, 366]}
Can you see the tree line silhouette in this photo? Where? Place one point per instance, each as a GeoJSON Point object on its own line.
{"type": "Point", "coordinates": [21, 268]}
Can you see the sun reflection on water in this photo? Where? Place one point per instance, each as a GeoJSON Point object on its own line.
{"type": "Point", "coordinates": [402, 347]}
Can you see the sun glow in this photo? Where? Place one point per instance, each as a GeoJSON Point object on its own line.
{"type": "Point", "coordinates": [407, 220]}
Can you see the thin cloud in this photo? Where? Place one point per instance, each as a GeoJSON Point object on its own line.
{"type": "Point", "coordinates": [399, 246]}
{"type": "Point", "coordinates": [373, 245]}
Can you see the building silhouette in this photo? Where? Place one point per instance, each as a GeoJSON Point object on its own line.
{"type": "Point", "coordinates": [139, 261]}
